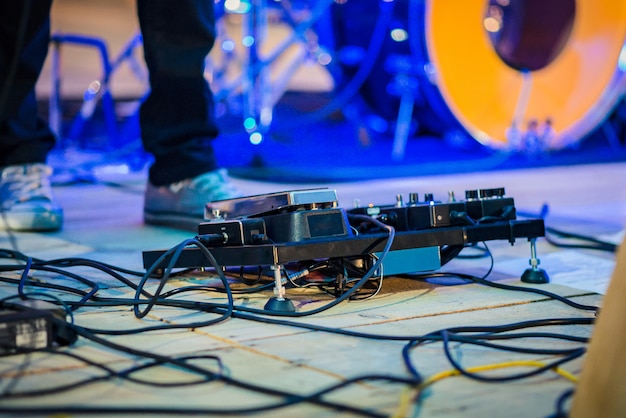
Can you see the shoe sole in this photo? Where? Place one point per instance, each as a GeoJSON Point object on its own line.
{"type": "Point", "coordinates": [173, 220]}
{"type": "Point", "coordinates": [32, 222]}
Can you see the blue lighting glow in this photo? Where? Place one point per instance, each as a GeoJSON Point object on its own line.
{"type": "Point", "coordinates": [621, 61]}
{"type": "Point", "coordinates": [228, 45]}
{"type": "Point", "coordinates": [256, 138]}
{"type": "Point", "coordinates": [249, 124]}
{"type": "Point", "coordinates": [248, 41]}
{"type": "Point", "coordinates": [399, 35]}
{"type": "Point", "coordinates": [237, 6]}
{"type": "Point", "coordinates": [324, 58]}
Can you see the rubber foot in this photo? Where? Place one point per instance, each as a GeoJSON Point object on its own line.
{"type": "Point", "coordinates": [280, 305]}
{"type": "Point", "coordinates": [539, 276]}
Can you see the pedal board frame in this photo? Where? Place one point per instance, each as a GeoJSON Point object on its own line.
{"type": "Point", "coordinates": [352, 246]}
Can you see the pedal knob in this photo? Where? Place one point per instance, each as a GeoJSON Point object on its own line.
{"type": "Point", "coordinates": [471, 194]}
{"type": "Point", "coordinates": [491, 193]}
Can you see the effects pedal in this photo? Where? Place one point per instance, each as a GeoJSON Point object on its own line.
{"type": "Point", "coordinates": [489, 203]}
{"type": "Point", "coordinates": [291, 216]}
{"type": "Point", "coordinates": [481, 205]}
{"type": "Point", "coordinates": [416, 215]}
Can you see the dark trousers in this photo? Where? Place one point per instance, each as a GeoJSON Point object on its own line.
{"type": "Point", "coordinates": [177, 119]}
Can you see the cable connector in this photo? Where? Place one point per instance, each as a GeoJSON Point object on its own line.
{"type": "Point", "coordinates": [233, 232]}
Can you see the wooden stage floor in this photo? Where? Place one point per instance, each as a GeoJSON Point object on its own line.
{"type": "Point", "coordinates": [255, 361]}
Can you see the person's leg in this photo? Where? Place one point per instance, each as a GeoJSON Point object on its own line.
{"type": "Point", "coordinates": [177, 119]}
{"type": "Point", "coordinates": [24, 37]}
{"type": "Point", "coordinates": [26, 201]}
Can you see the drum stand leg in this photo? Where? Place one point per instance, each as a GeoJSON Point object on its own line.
{"type": "Point", "coordinates": [403, 124]}
{"type": "Point", "coordinates": [260, 92]}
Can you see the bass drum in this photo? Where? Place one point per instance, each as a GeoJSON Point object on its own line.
{"type": "Point", "coordinates": [493, 69]}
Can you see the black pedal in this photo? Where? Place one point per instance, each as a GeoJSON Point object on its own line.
{"type": "Point", "coordinates": [283, 217]}
{"type": "Point", "coordinates": [302, 225]}
{"type": "Point", "coordinates": [271, 203]}
{"type": "Point", "coordinates": [433, 215]}
{"type": "Point", "coordinates": [416, 216]}
{"type": "Point", "coordinates": [489, 203]}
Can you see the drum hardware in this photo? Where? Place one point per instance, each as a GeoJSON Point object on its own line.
{"type": "Point", "coordinates": [98, 91]}
{"type": "Point", "coordinates": [463, 85]}
{"type": "Point", "coordinates": [258, 60]}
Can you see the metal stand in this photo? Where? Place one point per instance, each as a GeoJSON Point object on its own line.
{"type": "Point", "coordinates": [263, 78]}
{"type": "Point", "coordinates": [279, 302]}
{"type": "Point", "coordinates": [534, 274]}
{"type": "Point", "coordinates": [98, 90]}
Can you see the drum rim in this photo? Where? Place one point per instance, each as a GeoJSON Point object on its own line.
{"type": "Point", "coordinates": [592, 118]}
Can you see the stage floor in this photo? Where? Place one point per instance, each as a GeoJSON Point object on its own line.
{"type": "Point", "coordinates": [256, 360]}
{"type": "Point", "coordinates": [279, 366]}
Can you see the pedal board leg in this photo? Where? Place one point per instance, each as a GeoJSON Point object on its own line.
{"type": "Point", "coordinates": [279, 302]}
{"type": "Point", "coordinates": [534, 274]}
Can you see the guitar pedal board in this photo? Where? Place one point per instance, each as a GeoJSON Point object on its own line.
{"type": "Point", "coordinates": [291, 226]}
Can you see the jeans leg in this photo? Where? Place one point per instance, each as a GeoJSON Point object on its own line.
{"type": "Point", "coordinates": [177, 119]}
{"type": "Point", "coordinates": [24, 40]}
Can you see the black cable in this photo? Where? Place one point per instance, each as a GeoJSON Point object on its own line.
{"type": "Point", "coordinates": [430, 337]}
{"type": "Point", "coordinates": [444, 336]}
{"type": "Point", "coordinates": [531, 290]}
{"type": "Point", "coordinates": [483, 280]}
{"type": "Point", "coordinates": [87, 295]}
{"type": "Point", "coordinates": [195, 288]}
{"type": "Point", "coordinates": [593, 243]}
{"type": "Point", "coordinates": [92, 294]}
{"type": "Point", "coordinates": [48, 265]}
{"type": "Point", "coordinates": [125, 374]}
{"type": "Point", "coordinates": [477, 340]}
{"type": "Point", "coordinates": [215, 308]}
{"type": "Point", "coordinates": [290, 398]}
{"type": "Point", "coordinates": [346, 295]}
{"type": "Point", "coordinates": [152, 300]}
{"type": "Point", "coordinates": [491, 333]}
{"type": "Point", "coordinates": [533, 323]}
{"type": "Point", "coordinates": [560, 410]}
{"type": "Point", "coordinates": [457, 366]}
{"type": "Point", "coordinates": [596, 244]}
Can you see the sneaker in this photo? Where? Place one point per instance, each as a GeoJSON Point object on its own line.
{"type": "Point", "coordinates": [26, 201]}
{"type": "Point", "coordinates": [181, 204]}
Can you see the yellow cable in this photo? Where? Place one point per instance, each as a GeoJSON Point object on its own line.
{"type": "Point", "coordinates": [519, 363]}
{"type": "Point", "coordinates": [405, 403]}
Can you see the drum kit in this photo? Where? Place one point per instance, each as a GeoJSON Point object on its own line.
{"type": "Point", "coordinates": [520, 75]}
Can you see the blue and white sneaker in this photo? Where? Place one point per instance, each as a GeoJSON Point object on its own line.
{"type": "Point", "coordinates": [181, 204]}
{"type": "Point", "coordinates": [26, 200]}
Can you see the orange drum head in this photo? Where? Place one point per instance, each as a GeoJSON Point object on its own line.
{"type": "Point", "coordinates": [497, 103]}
